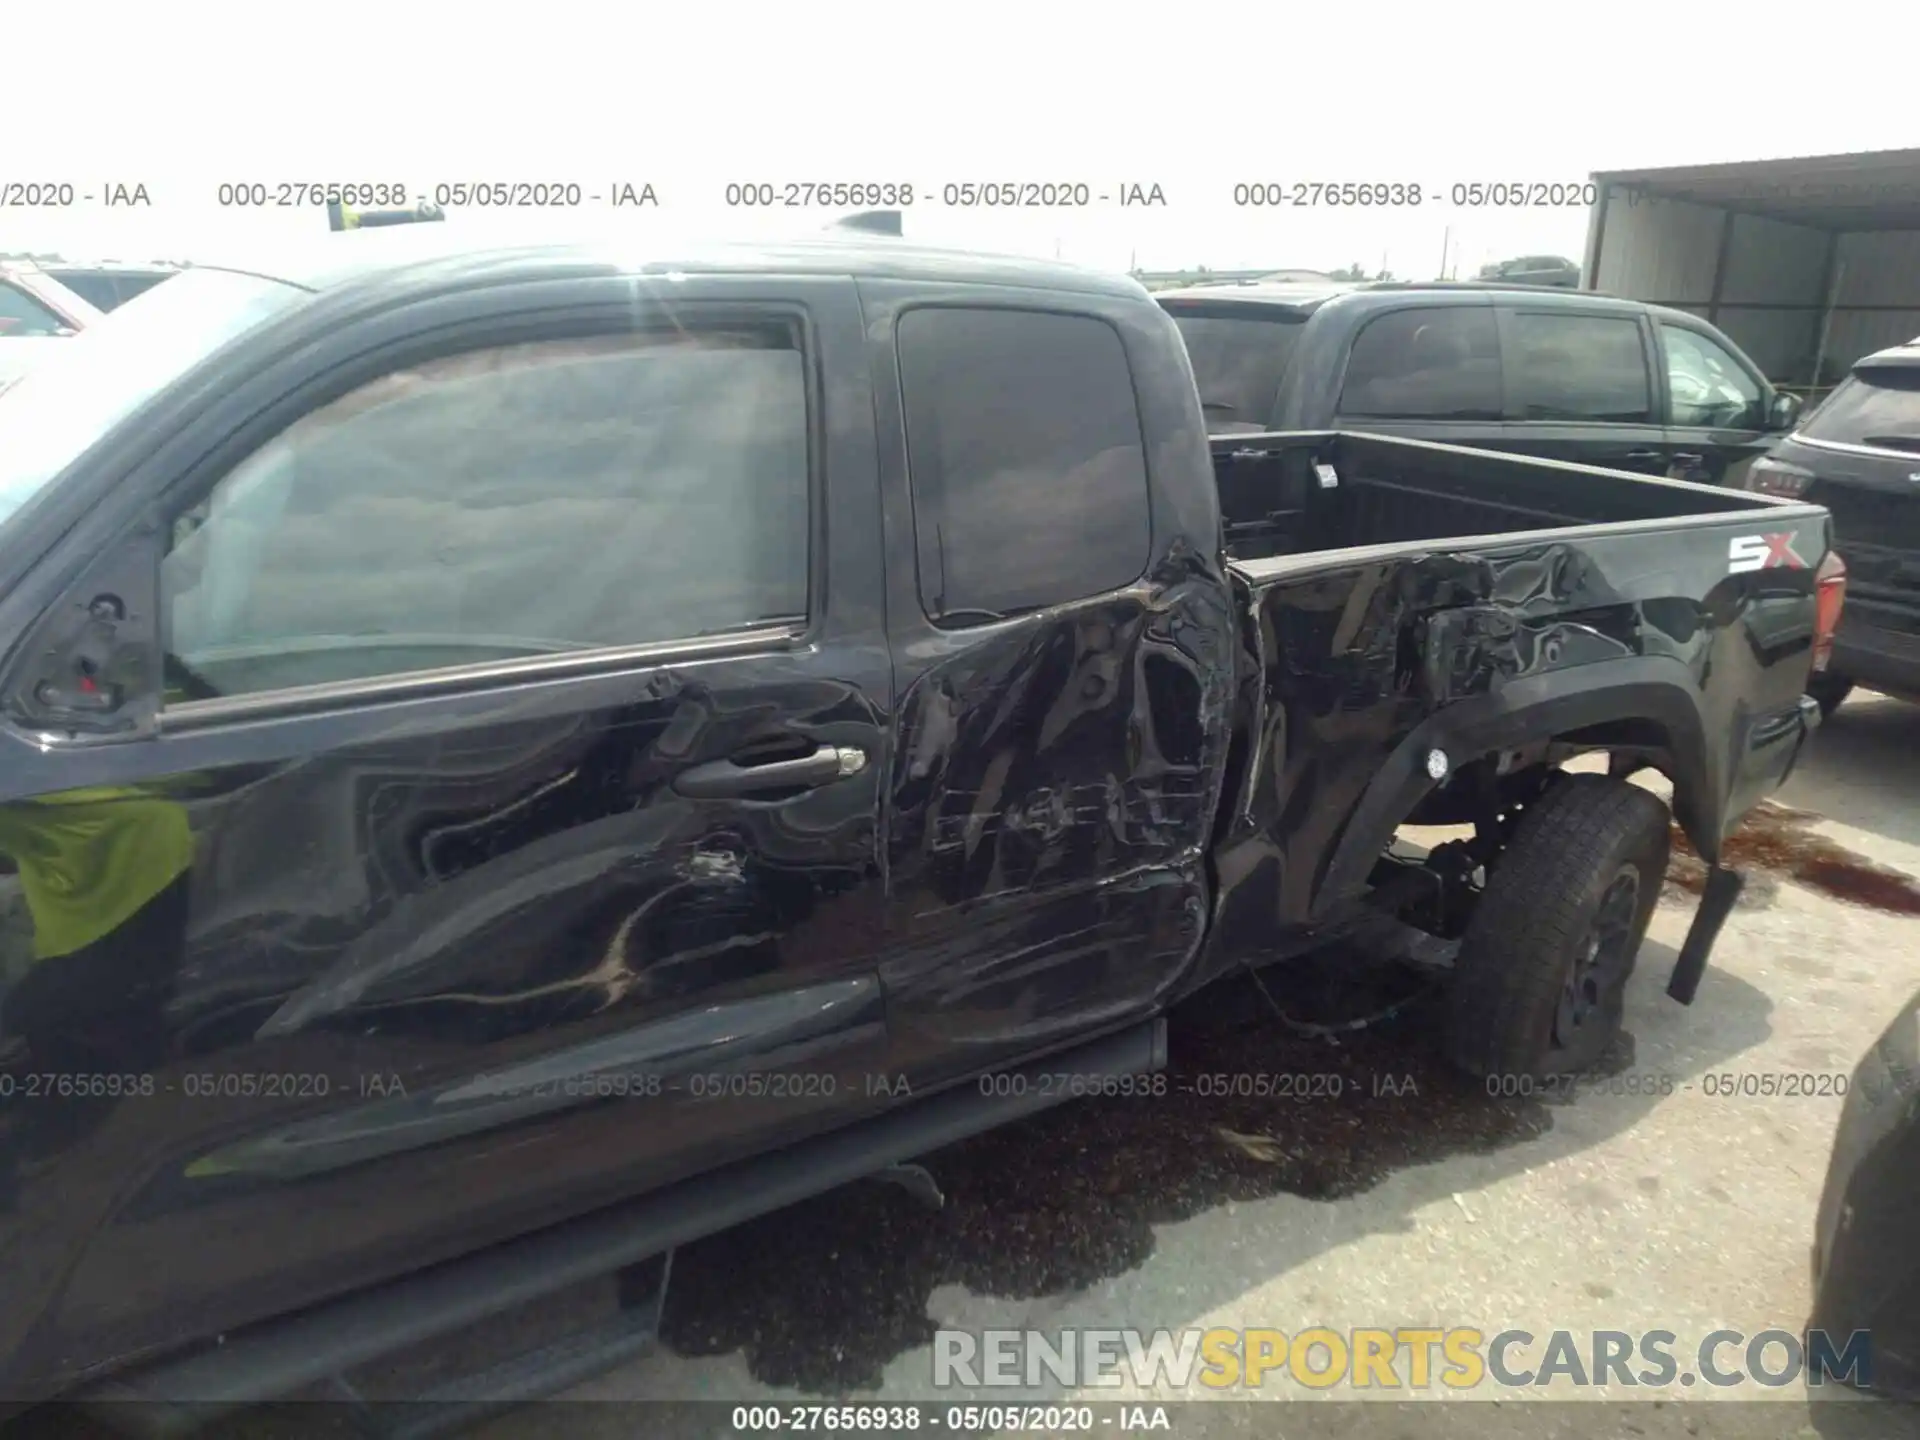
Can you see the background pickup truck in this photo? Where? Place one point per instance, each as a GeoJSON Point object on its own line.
{"type": "Point", "coordinates": [1562, 374]}
{"type": "Point", "coordinates": [515, 761]}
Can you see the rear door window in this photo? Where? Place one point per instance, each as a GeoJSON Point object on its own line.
{"type": "Point", "coordinates": [1028, 471]}
{"type": "Point", "coordinates": [1579, 368]}
{"type": "Point", "coordinates": [1436, 362]}
{"type": "Point", "coordinates": [1877, 407]}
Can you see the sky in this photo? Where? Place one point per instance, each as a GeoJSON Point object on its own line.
{"type": "Point", "coordinates": [1194, 99]}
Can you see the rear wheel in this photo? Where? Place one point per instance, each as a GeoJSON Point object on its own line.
{"type": "Point", "coordinates": [1828, 690]}
{"type": "Point", "coordinates": [1540, 981]}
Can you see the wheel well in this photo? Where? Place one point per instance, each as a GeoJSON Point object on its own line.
{"type": "Point", "coordinates": [1630, 709]}
{"type": "Point", "coordinates": [1644, 744]}
{"type": "Point", "coordinates": [1494, 783]}
{"type": "Point", "coordinates": [1492, 794]}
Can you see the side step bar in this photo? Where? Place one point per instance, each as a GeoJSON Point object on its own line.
{"type": "Point", "coordinates": [281, 1357]}
{"type": "Point", "coordinates": [533, 1375]}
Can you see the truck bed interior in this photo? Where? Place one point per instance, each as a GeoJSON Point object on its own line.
{"type": "Point", "coordinates": [1275, 499]}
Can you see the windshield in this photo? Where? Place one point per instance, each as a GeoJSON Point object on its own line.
{"type": "Point", "coordinates": [86, 385]}
{"type": "Point", "coordinates": [1879, 407]}
{"type": "Point", "coordinates": [1238, 364]}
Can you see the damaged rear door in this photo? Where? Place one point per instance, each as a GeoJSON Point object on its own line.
{"type": "Point", "coordinates": [1062, 712]}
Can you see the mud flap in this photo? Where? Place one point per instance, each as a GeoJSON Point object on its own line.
{"type": "Point", "coordinates": [1716, 903]}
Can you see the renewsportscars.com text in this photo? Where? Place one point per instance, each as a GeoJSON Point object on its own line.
{"type": "Point", "coordinates": [1398, 1358]}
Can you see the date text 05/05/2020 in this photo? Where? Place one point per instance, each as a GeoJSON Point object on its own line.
{"type": "Point", "coordinates": [1063, 194]}
{"type": "Point", "coordinates": [479, 194]}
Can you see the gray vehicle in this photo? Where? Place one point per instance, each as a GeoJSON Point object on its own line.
{"type": "Point", "coordinates": [1551, 270]}
{"type": "Point", "coordinates": [1858, 454]}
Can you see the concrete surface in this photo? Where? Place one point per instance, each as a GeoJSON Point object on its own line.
{"type": "Point", "coordinates": [1674, 1209]}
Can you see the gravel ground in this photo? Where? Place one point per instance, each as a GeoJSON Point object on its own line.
{"type": "Point", "coordinates": [1412, 1197]}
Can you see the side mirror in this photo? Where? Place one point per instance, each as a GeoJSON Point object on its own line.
{"type": "Point", "coordinates": [89, 665]}
{"type": "Point", "coordinates": [1783, 412]}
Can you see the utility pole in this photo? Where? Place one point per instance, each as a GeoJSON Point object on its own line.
{"type": "Point", "coordinates": [1446, 240]}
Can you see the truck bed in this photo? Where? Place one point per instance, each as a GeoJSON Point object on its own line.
{"type": "Point", "coordinates": [1398, 596]}
{"type": "Point", "coordinates": [1275, 499]}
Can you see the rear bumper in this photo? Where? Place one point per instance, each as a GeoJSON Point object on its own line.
{"type": "Point", "coordinates": [1773, 748]}
{"type": "Point", "coordinates": [1809, 722]}
{"type": "Point", "coordinates": [1876, 656]}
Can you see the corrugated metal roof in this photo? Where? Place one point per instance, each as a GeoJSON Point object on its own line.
{"type": "Point", "coordinates": [1866, 190]}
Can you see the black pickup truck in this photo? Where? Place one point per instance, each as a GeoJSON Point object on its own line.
{"type": "Point", "coordinates": [1531, 370]}
{"type": "Point", "coordinates": [514, 760]}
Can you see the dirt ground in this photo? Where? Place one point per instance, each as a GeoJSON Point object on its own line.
{"type": "Point", "coordinates": [1642, 1201]}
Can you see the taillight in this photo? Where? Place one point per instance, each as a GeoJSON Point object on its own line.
{"type": "Point", "coordinates": [1829, 595]}
{"type": "Point", "coordinates": [1775, 477]}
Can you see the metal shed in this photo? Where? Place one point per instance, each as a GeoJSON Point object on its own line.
{"type": "Point", "coordinates": [1808, 264]}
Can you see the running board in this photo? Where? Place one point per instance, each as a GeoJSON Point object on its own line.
{"type": "Point", "coordinates": [533, 1375]}
{"type": "Point", "coordinates": [1384, 940]}
{"type": "Point", "coordinates": [278, 1358]}
{"type": "Point", "coordinates": [1380, 938]}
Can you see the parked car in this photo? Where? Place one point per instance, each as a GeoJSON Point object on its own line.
{"type": "Point", "coordinates": [1553, 270]}
{"type": "Point", "coordinates": [518, 761]}
{"type": "Point", "coordinates": [1562, 375]}
{"type": "Point", "coordinates": [1866, 1253]}
{"type": "Point", "coordinates": [36, 311]}
{"type": "Point", "coordinates": [1858, 454]}
{"type": "Point", "coordinates": [108, 284]}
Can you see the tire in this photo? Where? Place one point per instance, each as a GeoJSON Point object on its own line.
{"type": "Point", "coordinates": [1540, 982]}
{"type": "Point", "coordinates": [1828, 690]}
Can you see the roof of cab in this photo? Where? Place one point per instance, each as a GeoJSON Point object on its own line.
{"type": "Point", "coordinates": [439, 253]}
{"type": "Point", "coordinates": [1903, 357]}
{"type": "Point", "coordinates": [1366, 296]}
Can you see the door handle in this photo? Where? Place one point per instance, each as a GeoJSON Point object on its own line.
{"type": "Point", "coordinates": [1643, 455]}
{"type": "Point", "coordinates": [732, 779]}
{"type": "Point", "coordinates": [1691, 461]}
